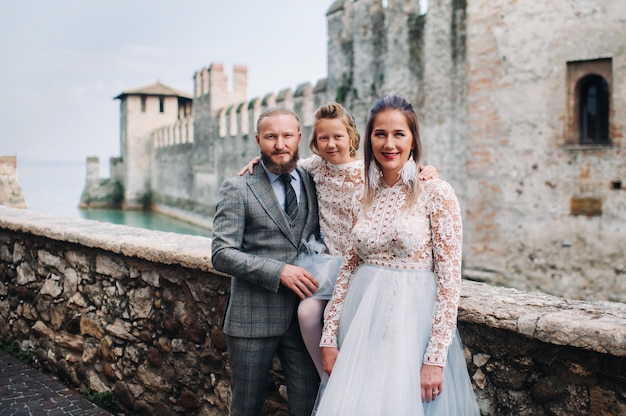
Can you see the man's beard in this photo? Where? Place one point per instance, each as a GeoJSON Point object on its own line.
{"type": "Point", "coordinates": [280, 168]}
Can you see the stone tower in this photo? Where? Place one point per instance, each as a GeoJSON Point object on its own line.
{"type": "Point", "coordinates": [142, 110]}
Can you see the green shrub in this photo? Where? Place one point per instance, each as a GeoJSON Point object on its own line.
{"type": "Point", "coordinates": [105, 400]}
{"type": "Point", "coordinates": [15, 350]}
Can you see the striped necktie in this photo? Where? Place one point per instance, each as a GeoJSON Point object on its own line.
{"type": "Point", "coordinates": [291, 202]}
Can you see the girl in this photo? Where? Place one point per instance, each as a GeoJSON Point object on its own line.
{"type": "Point", "coordinates": [338, 176]}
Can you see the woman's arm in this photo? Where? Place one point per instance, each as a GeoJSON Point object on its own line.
{"type": "Point", "coordinates": [447, 241]}
{"type": "Point", "coordinates": [331, 319]}
{"type": "Point", "coordinates": [328, 343]}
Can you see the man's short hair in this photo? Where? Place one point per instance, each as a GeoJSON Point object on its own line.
{"type": "Point", "coordinates": [272, 111]}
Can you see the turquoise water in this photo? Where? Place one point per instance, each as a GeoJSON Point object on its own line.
{"type": "Point", "coordinates": [141, 219]}
{"type": "Point", "coordinates": [54, 187]}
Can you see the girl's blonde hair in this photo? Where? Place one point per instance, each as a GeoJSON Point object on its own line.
{"type": "Point", "coordinates": [336, 111]}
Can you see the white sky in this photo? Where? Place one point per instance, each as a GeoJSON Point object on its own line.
{"type": "Point", "coordinates": [63, 61]}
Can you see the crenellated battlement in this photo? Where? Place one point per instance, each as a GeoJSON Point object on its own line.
{"type": "Point", "coordinates": [240, 119]}
{"type": "Point", "coordinates": [180, 132]}
{"type": "Point", "coordinates": [212, 82]}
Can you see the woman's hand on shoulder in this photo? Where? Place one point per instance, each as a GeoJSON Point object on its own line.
{"type": "Point", "coordinates": [249, 167]}
{"type": "Point", "coordinates": [428, 172]}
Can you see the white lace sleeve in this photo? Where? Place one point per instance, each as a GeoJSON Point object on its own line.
{"type": "Point", "coordinates": [350, 263]}
{"type": "Point", "coordinates": [310, 164]}
{"type": "Point", "coordinates": [447, 241]}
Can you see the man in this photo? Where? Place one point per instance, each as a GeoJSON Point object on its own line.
{"type": "Point", "coordinates": [254, 241]}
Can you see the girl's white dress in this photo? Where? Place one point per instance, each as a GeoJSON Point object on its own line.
{"type": "Point", "coordinates": [336, 187]}
{"type": "Point", "coordinates": [395, 307]}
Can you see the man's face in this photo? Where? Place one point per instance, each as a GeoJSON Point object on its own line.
{"type": "Point", "coordinates": [278, 138]}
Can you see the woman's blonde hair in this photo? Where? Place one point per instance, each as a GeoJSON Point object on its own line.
{"type": "Point", "coordinates": [336, 111]}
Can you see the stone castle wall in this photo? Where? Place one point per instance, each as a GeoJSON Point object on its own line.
{"type": "Point", "coordinates": [524, 174]}
{"type": "Point", "coordinates": [193, 156]}
{"type": "Point", "coordinates": [138, 313]}
{"type": "Point", "coordinates": [492, 84]}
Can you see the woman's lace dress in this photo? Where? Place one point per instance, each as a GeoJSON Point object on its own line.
{"type": "Point", "coordinates": [394, 307]}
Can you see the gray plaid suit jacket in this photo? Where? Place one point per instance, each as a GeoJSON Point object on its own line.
{"type": "Point", "coordinates": [252, 242]}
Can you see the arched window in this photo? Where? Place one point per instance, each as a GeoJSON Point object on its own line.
{"type": "Point", "coordinates": [593, 117]}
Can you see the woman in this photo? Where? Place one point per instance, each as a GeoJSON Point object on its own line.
{"type": "Point", "coordinates": [390, 342]}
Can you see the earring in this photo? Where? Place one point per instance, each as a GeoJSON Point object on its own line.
{"type": "Point", "coordinates": [408, 173]}
{"type": "Point", "coordinates": [374, 175]}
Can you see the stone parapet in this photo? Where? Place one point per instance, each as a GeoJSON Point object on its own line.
{"type": "Point", "coordinates": [155, 246]}
{"type": "Point", "coordinates": [138, 313]}
{"type": "Point", "coordinates": [594, 326]}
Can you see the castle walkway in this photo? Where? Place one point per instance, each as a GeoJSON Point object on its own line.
{"type": "Point", "coordinates": [24, 390]}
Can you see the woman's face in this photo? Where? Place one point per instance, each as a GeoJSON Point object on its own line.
{"type": "Point", "coordinates": [392, 142]}
{"type": "Point", "coordinates": [333, 141]}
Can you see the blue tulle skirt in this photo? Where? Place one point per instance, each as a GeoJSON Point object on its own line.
{"type": "Point", "coordinates": [384, 330]}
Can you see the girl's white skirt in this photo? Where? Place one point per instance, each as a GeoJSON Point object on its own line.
{"type": "Point", "coordinates": [384, 330]}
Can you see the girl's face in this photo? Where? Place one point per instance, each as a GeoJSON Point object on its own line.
{"type": "Point", "coordinates": [333, 141]}
{"type": "Point", "coordinates": [392, 142]}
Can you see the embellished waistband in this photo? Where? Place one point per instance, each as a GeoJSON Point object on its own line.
{"type": "Point", "coordinates": [401, 266]}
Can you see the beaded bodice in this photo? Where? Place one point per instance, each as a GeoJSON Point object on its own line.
{"type": "Point", "coordinates": [424, 235]}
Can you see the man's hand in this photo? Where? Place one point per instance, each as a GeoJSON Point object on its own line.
{"type": "Point", "coordinates": [301, 282]}
{"type": "Point", "coordinates": [250, 166]}
{"type": "Point", "coordinates": [329, 357]}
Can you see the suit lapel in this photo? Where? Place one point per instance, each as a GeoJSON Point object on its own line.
{"type": "Point", "coordinates": [260, 186]}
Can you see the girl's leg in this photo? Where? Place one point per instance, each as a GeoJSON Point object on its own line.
{"type": "Point", "coordinates": [310, 316]}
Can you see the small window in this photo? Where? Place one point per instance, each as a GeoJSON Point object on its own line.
{"type": "Point", "coordinates": [593, 96]}
{"type": "Point", "coordinates": [161, 104]}
{"type": "Point", "coordinates": [589, 102]}
{"type": "Point", "coordinates": [143, 103]}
